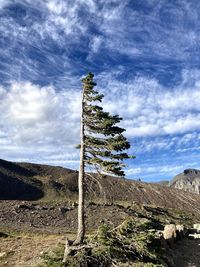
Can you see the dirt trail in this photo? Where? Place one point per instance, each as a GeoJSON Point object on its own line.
{"type": "Point", "coordinates": [26, 250]}
{"type": "Point", "coordinates": [187, 253]}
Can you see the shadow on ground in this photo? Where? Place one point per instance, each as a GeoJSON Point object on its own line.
{"type": "Point", "coordinates": [17, 182]}
{"type": "Point", "coordinates": [12, 188]}
{"type": "Point", "coordinates": [187, 253]}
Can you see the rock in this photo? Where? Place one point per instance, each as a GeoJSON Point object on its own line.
{"type": "Point", "coordinates": [74, 205]}
{"type": "Point", "coordinates": [2, 254]}
{"type": "Point", "coordinates": [3, 234]}
{"type": "Point", "coordinates": [180, 227]}
{"type": "Point", "coordinates": [63, 210]}
{"type": "Point", "coordinates": [39, 207]}
{"type": "Point", "coordinates": [169, 233]}
{"type": "Point", "coordinates": [191, 171]}
{"type": "Point", "coordinates": [196, 226]}
{"type": "Point", "coordinates": [196, 236]}
{"type": "Point", "coordinates": [180, 231]}
{"type": "Point", "coordinates": [26, 206]}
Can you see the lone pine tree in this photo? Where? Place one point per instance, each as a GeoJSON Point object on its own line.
{"type": "Point", "coordinates": [102, 143]}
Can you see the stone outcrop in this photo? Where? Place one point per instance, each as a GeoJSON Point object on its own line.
{"type": "Point", "coordinates": [189, 181]}
{"type": "Point", "coordinates": [169, 233]}
{"type": "Point", "coordinates": [173, 233]}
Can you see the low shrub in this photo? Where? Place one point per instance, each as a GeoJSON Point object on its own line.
{"type": "Point", "coordinates": [131, 242]}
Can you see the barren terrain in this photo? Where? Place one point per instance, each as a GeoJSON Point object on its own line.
{"type": "Point", "coordinates": [26, 250]}
{"type": "Point", "coordinates": [38, 207]}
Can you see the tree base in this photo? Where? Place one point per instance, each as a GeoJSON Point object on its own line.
{"type": "Point", "coordinates": [71, 248]}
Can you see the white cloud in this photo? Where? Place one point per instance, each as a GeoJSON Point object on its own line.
{"type": "Point", "coordinates": [149, 109]}
{"type": "Point", "coordinates": [30, 104]}
{"type": "Point", "coordinates": [159, 171]}
{"type": "Point", "coordinates": [62, 16]}
{"type": "Point", "coordinates": [158, 145]}
{"type": "Point", "coordinates": [4, 3]}
{"type": "Point", "coordinates": [154, 169]}
{"type": "Point", "coordinates": [189, 149]}
{"type": "Point", "coordinates": [56, 6]}
{"type": "Point", "coordinates": [39, 115]}
{"type": "Point", "coordinates": [145, 130]}
{"type": "Point", "coordinates": [182, 99]}
{"type": "Point", "coordinates": [182, 125]}
{"type": "Point", "coordinates": [95, 43]}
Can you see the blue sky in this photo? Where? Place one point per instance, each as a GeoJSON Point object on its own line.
{"type": "Point", "coordinates": [145, 57]}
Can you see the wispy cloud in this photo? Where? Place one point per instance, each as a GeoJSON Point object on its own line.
{"type": "Point", "coordinates": [3, 3]}
{"type": "Point", "coordinates": [150, 109]}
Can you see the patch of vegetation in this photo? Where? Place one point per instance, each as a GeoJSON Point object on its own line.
{"type": "Point", "coordinates": [142, 264]}
{"type": "Point", "coordinates": [54, 260]}
{"type": "Point", "coordinates": [132, 242]}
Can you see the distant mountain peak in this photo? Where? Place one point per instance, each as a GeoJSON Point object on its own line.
{"type": "Point", "coordinates": [191, 171]}
{"type": "Point", "coordinates": [189, 181]}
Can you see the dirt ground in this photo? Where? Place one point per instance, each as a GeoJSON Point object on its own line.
{"type": "Point", "coordinates": [37, 228]}
{"type": "Point", "coordinates": [55, 218]}
{"type": "Point", "coordinates": [187, 253]}
{"type": "Point", "coordinates": [26, 250]}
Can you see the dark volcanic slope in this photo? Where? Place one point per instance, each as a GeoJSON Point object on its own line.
{"type": "Point", "coordinates": [189, 181]}
{"type": "Point", "coordinates": [32, 181]}
{"type": "Point", "coordinates": [17, 182]}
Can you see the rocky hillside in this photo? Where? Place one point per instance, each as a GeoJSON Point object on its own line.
{"type": "Point", "coordinates": [189, 181]}
{"type": "Point", "coordinates": [27, 181]}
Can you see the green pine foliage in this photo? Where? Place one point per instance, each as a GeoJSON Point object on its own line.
{"type": "Point", "coordinates": [130, 244]}
{"type": "Point", "coordinates": [104, 143]}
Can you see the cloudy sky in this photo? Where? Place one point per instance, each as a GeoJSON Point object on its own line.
{"type": "Point", "coordinates": [146, 59]}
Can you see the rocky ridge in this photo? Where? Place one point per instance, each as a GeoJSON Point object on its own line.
{"type": "Point", "coordinates": [189, 181]}
{"type": "Point", "coordinates": [27, 181]}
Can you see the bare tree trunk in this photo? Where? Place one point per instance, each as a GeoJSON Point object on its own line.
{"type": "Point", "coordinates": [67, 251]}
{"type": "Point", "coordinates": [81, 178]}
{"type": "Point", "coordinates": [81, 213]}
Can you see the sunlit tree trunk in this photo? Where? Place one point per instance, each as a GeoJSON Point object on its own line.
{"type": "Point", "coordinates": [81, 200]}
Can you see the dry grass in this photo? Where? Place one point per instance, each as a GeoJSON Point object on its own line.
{"type": "Point", "coordinates": [25, 250]}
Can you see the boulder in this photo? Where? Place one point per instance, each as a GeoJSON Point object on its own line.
{"type": "Point", "coordinates": [196, 226]}
{"type": "Point", "coordinates": [169, 233]}
{"type": "Point", "coordinates": [180, 231]}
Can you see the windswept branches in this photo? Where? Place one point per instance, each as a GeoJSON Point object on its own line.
{"type": "Point", "coordinates": [103, 139]}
